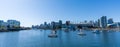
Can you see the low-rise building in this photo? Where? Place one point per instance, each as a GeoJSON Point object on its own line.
{"type": "Point", "coordinates": [114, 25]}
{"type": "Point", "coordinates": [13, 24]}
{"type": "Point", "coordinates": [3, 25]}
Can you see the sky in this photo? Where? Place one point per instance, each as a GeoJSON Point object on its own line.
{"type": "Point", "coordinates": [35, 12]}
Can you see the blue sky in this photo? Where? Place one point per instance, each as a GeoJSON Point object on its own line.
{"type": "Point", "coordinates": [33, 12]}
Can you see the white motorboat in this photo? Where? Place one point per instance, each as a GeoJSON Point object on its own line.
{"type": "Point", "coordinates": [81, 33]}
{"type": "Point", "coordinates": [53, 34]}
{"type": "Point", "coordinates": [96, 31]}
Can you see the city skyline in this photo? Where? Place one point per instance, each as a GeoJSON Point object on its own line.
{"type": "Point", "coordinates": [34, 12]}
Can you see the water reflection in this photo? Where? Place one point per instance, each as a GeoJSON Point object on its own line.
{"type": "Point", "coordinates": [108, 39]}
{"type": "Point", "coordinates": [60, 38]}
{"type": "Point", "coordinates": [37, 38]}
{"type": "Point", "coordinates": [9, 39]}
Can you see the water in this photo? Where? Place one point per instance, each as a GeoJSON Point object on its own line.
{"type": "Point", "coordinates": [38, 38]}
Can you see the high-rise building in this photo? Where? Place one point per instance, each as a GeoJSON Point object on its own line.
{"type": "Point", "coordinates": [85, 21]}
{"type": "Point", "coordinates": [91, 22]}
{"type": "Point", "coordinates": [53, 25]}
{"type": "Point", "coordinates": [110, 21]}
{"type": "Point", "coordinates": [98, 22]}
{"type": "Point", "coordinates": [45, 23]}
{"type": "Point", "coordinates": [103, 22]}
{"type": "Point", "coordinates": [67, 23]}
{"type": "Point", "coordinates": [60, 22]}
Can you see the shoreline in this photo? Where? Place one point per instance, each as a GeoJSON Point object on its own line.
{"type": "Point", "coordinates": [18, 29]}
{"type": "Point", "coordinates": [104, 29]}
{"type": "Point", "coordinates": [116, 29]}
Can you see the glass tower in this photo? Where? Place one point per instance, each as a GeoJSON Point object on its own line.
{"type": "Point", "coordinates": [103, 22]}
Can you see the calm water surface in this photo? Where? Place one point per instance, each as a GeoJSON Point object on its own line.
{"type": "Point", "coordinates": [39, 38]}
